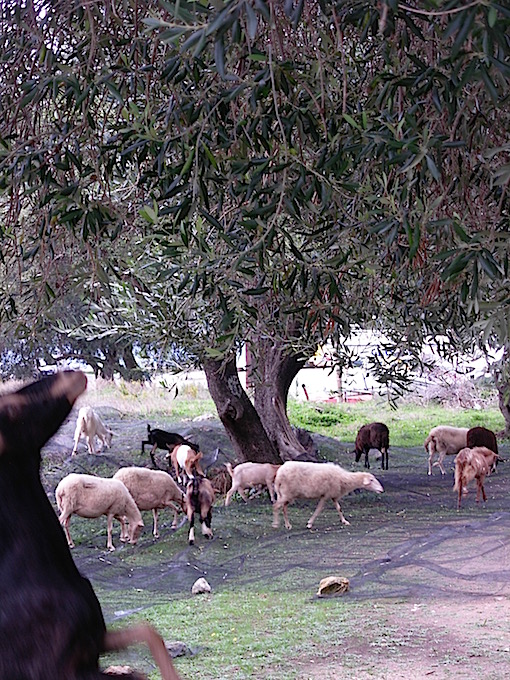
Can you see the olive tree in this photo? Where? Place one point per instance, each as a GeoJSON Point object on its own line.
{"type": "Point", "coordinates": [277, 174]}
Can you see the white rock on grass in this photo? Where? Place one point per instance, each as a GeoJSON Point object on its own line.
{"type": "Point", "coordinates": [200, 586]}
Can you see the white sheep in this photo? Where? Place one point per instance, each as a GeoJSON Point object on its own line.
{"type": "Point", "coordinates": [90, 426]}
{"type": "Point", "coordinates": [89, 496]}
{"type": "Point", "coordinates": [247, 475]}
{"type": "Point", "coordinates": [444, 440]}
{"type": "Point", "coordinates": [152, 490]}
{"type": "Point", "coordinates": [317, 480]}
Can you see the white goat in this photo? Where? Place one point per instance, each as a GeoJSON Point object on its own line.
{"type": "Point", "coordinates": [152, 490]}
{"type": "Point", "coordinates": [442, 441]}
{"type": "Point", "coordinates": [317, 480]}
{"type": "Point", "coordinates": [246, 475]}
{"type": "Point", "coordinates": [88, 496]}
{"type": "Point", "coordinates": [475, 463]}
{"type": "Point", "coordinates": [184, 457]}
{"type": "Point", "coordinates": [90, 426]}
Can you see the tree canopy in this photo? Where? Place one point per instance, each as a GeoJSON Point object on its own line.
{"type": "Point", "coordinates": [228, 172]}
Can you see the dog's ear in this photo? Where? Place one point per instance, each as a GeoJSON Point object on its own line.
{"type": "Point", "coordinates": [30, 416]}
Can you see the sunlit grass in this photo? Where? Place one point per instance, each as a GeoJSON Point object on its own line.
{"type": "Point", "coordinates": [407, 423]}
{"type": "Point", "coordinates": [251, 634]}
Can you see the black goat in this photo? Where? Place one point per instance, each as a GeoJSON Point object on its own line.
{"type": "Point", "coordinates": [160, 439]}
{"type": "Point", "coordinates": [373, 436]}
{"type": "Point", "coordinates": [51, 623]}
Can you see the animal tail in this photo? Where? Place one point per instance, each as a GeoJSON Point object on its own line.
{"type": "Point", "coordinates": [195, 489]}
{"type": "Point", "coordinates": [58, 498]}
{"type": "Point", "coordinates": [430, 441]}
{"type": "Point", "coordinates": [228, 465]}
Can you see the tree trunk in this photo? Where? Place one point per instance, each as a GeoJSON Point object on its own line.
{"type": "Point", "coordinates": [238, 415]}
{"type": "Point", "coordinates": [504, 407]}
{"type": "Point", "coordinates": [501, 373]}
{"type": "Point", "coordinates": [275, 372]}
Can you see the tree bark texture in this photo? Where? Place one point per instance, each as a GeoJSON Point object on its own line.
{"type": "Point", "coordinates": [238, 415]}
{"type": "Point", "coordinates": [274, 372]}
{"type": "Point", "coordinates": [501, 375]}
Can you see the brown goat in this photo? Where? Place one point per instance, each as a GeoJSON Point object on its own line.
{"type": "Point", "coordinates": [199, 499]}
{"type": "Point", "coordinates": [51, 623]}
{"type": "Point", "coordinates": [471, 464]}
{"type": "Point", "coordinates": [183, 457]}
{"type": "Point", "coordinates": [373, 436]}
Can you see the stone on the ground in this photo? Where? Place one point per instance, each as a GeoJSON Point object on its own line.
{"type": "Point", "coordinates": [200, 586]}
{"type": "Point", "coordinates": [333, 585]}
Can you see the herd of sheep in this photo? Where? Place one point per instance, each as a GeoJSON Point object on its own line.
{"type": "Point", "coordinates": [51, 623]}
{"type": "Point", "coordinates": [135, 489]}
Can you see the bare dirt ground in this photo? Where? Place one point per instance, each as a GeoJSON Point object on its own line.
{"type": "Point", "coordinates": [429, 585]}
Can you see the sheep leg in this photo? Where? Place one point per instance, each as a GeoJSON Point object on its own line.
{"type": "Point", "coordinates": [115, 640]}
{"type": "Point", "coordinates": [270, 488]}
{"type": "Point", "coordinates": [431, 453]}
{"type": "Point", "coordinates": [229, 495]}
{"type": "Point", "coordinates": [339, 510]}
{"type": "Point", "coordinates": [155, 528]}
{"type": "Point", "coordinates": [288, 525]}
{"type": "Point", "coordinates": [64, 520]}
{"type": "Point", "coordinates": [242, 494]}
{"type": "Point", "coordinates": [367, 463]}
{"type": "Point", "coordinates": [318, 509]}
{"type": "Point", "coordinates": [77, 435]}
{"type": "Point", "coordinates": [442, 454]}
{"type": "Point", "coordinates": [124, 533]}
{"type": "Point", "coordinates": [276, 514]}
{"type": "Point", "coordinates": [109, 543]}
{"type": "Point", "coordinates": [384, 459]}
{"type": "Point", "coordinates": [175, 512]}
{"type": "Point", "coordinates": [90, 444]}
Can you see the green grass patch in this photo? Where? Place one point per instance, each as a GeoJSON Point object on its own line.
{"type": "Point", "coordinates": [409, 424]}
{"type": "Point", "coordinates": [251, 634]}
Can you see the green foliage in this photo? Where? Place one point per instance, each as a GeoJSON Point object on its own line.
{"type": "Point", "coordinates": [212, 174]}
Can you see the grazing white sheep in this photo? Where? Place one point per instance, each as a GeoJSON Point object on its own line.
{"type": "Point", "coordinates": [90, 426]}
{"type": "Point", "coordinates": [444, 440]}
{"type": "Point", "coordinates": [317, 480]}
{"type": "Point", "coordinates": [152, 490]}
{"type": "Point", "coordinates": [89, 496]}
{"type": "Point", "coordinates": [475, 463]}
{"type": "Point", "coordinates": [247, 475]}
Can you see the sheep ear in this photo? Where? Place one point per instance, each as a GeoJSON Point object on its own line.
{"type": "Point", "coordinates": [367, 480]}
